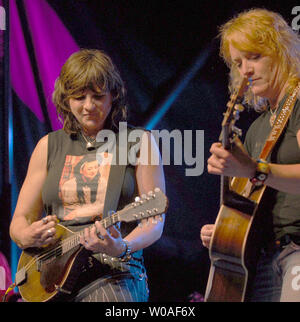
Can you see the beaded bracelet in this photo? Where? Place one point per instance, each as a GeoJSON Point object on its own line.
{"type": "Point", "coordinates": [126, 255]}
{"type": "Point", "coordinates": [261, 173]}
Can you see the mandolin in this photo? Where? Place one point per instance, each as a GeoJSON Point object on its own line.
{"type": "Point", "coordinates": [43, 274]}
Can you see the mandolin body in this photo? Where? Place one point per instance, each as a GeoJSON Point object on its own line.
{"type": "Point", "coordinates": [46, 278]}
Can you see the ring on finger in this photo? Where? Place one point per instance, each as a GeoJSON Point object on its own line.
{"type": "Point", "coordinates": [45, 220]}
{"type": "Point", "coordinates": [100, 236]}
{"type": "Point", "coordinates": [49, 231]}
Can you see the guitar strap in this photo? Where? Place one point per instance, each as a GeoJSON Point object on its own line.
{"type": "Point", "coordinates": [114, 187]}
{"type": "Point", "coordinates": [279, 124]}
{"type": "Point", "coordinates": [115, 179]}
{"type": "Point", "coordinates": [117, 174]}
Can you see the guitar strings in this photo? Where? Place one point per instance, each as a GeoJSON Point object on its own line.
{"type": "Point", "coordinates": [48, 254]}
{"type": "Point", "coordinates": [114, 218]}
{"type": "Point", "coordinates": [109, 221]}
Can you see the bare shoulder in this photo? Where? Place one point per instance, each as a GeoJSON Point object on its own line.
{"type": "Point", "coordinates": [42, 144]}
{"type": "Point", "coordinates": [39, 155]}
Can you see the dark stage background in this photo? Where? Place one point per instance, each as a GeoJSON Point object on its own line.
{"type": "Point", "coordinates": [167, 53]}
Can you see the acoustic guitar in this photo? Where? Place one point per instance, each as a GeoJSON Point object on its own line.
{"type": "Point", "coordinates": [237, 237]}
{"type": "Point", "coordinates": [229, 251]}
{"type": "Point", "coordinates": [43, 274]}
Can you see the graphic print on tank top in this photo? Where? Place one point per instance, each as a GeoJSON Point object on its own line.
{"type": "Point", "coordinates": [83, 185]}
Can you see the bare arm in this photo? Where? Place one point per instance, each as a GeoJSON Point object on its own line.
{"type": "Point", "coordinates": [148, 177]}
{"type": "Point", "coordinates": [26, 228]}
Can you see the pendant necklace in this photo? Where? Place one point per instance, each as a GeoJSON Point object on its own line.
{"type": "Point", "coordinates": [273, 116]}
{"type": "Point", "coordinates": [90, 145]}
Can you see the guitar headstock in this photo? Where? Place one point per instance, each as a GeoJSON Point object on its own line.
{"type": "Point", "coordinates": [235, 100]}
{"type": "Point", "coordinates": [153, 204]}
{"type": "Point", "coordinates": [231, 115]}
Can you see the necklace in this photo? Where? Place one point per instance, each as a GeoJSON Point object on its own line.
{"type": "Point", "coordinates": [273, 116]}
{"type": "Point", "coordinates": [90, 145]}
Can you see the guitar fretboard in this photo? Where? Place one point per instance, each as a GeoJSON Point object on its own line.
{"type": "Point", "coordinates": [74, 240]}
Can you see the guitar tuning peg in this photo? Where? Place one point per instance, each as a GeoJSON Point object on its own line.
{"type": "Point", "coordinates": [239, 107]}
{"type": "Point", "coordinates": [236, 130]}
{"type": "Point", "coordinates": [137, 199]}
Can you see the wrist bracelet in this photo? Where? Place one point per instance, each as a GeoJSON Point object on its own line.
{"type": "Point", "coordinates": [126, 255]}
{"type": "Point", "coordinates": [261, 173]}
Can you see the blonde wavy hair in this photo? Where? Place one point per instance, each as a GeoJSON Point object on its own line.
{"type": "Point", "coordinates": [89, 69]}
{"type": "Point", "coordinates": [267, 33]}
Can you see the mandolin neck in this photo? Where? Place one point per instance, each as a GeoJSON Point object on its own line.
{"type": "Point", "coordinates": [74, 240]}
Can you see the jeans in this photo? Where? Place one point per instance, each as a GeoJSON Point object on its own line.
{"type": "Point", "coordinates": [278, 276]}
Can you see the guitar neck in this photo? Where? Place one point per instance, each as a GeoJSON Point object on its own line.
{"type": "Point", "coordinates": [224, 185]}
{"type": "Point", "coordinates": [36, 265]}
{"type": "Point", "coordinates": [146, 206]}
{"type": "Point", "coordinates": [224, 188]}
{"type": "Point", "coordinates": [73, 241]}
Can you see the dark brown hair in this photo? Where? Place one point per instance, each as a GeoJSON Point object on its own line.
{"type": "Point", "coordinates": [89, 69]}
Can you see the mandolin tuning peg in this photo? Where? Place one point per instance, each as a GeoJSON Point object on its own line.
{"type": "Point", "coordinates": [110, 212]}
